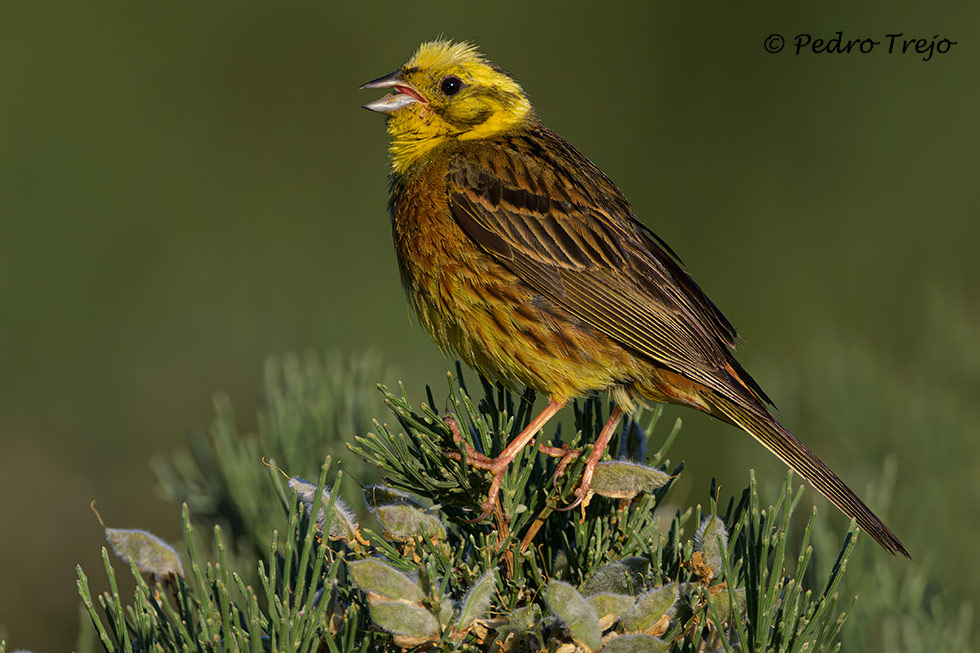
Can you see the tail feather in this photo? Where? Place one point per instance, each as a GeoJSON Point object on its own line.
{"type": "Point", "coordinates": [764, 428]}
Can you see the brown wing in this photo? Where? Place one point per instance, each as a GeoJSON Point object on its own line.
{"type": "Point", "coordinates": [549, 215]}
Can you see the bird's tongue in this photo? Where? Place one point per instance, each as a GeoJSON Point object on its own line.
{"type": "Point", "coordinates": [409, 91]}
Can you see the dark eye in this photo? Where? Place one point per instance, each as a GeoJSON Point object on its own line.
{"type": "Point", "coordinates": [450, 85]}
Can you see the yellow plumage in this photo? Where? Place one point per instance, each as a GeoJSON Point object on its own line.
{"type": "Point", "coordinates": [520, 256]}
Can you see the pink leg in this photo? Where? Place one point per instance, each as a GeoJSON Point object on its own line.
{"type": "Point", "coordinates": [596, 456]}
{"type": "Point", "coordinates": [473, 457]}
{"type": "Point", "coordinates": [498, 466]}
{"type": "Point", "coordinates": [566, 455]}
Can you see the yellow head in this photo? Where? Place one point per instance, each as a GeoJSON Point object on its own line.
{"type": "Point", "coordinates": [447, 91]}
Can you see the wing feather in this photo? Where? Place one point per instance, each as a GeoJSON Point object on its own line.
{"type": "Point", "coordinates": [550, 216]}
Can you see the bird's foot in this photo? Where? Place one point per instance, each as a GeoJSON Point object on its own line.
{"type": "Point", "coordinates": [497, 466]}
{"type": "Point", "coordinates": [473, 457]}
{"type": "Point", "coordinates": [582, 494]}
{"type": "Point", "coordinates": [565, 453]}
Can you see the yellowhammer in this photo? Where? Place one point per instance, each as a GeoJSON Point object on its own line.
{"type": "Point", "coordinates": [523, 258]}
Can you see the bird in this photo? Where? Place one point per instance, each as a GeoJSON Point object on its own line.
{"type": "Point", "coordinates": [522, 258]}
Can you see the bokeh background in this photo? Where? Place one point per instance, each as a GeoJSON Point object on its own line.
{"type": "Point", "coordinates": [186, 188]}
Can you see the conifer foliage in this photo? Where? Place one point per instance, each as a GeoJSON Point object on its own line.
{"type": "Point", "coordinates": [275, 562]}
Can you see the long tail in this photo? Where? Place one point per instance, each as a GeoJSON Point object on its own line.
{"type": "Point", "coordinates": [764, 428]}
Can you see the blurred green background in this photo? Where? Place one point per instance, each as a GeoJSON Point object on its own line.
{"type": "Point", "coordinates": [186, 188]}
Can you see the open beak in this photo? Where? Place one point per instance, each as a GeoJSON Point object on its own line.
{"type": "Point", "coordinates": [403, 95]}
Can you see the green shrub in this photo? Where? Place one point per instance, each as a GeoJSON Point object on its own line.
{"type": "Point", "coordinates": [288, 566]}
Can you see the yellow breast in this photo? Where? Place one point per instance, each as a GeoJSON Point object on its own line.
{"type": "Point", "coordinates": [473, 306]}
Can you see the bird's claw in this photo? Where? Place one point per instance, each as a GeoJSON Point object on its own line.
{"type": "Point", "coordinates": [473, 457]}
{"type": "Point", "coordinates": [580, 494]}
{"type": "Point", "coordinates": [486, 513]}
